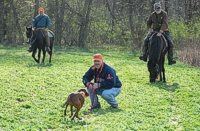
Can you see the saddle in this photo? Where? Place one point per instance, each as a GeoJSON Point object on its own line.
{"type": "Point", "coordinates": [165, 40]}
{"type": "Point", "coordinates": [50, 33]}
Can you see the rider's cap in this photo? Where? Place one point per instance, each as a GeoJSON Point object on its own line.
{"type": "Point", "coordinates": [157, 5]}
{"type": "Point", "coordinates": [97, 57]}
{"type": "Point", "coordinates": [41, 9]}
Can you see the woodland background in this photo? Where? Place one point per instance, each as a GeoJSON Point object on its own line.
{"type": "Point", "coordinates": [100, 23]}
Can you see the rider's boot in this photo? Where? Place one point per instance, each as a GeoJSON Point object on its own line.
{"type": "Point", "coordinates": [144, 51]}
{"type": "Point", "coordinates": [170, 57]}
{"type": "Point", "coordinates": [47, 48]}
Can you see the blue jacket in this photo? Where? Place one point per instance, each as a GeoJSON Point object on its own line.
{"type": "Point", "coordinates": [43, 22]}
{"type": "Point", "coordinates": [106, 77]}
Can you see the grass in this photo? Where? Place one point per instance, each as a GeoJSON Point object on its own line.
{"type": "Point", "coordinates": [32, 94]}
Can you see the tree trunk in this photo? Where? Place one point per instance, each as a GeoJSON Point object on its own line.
{"type": "Point", "coordinates": [1, 20]}
{"type": "Point", "coordinates": [130, 11]}
{"type": "Point", "coordinates": [166, 6]}
{"type": "Point", "coordinates": [37, 4]}
{"type": "Point", "coordinates": [188, 11]}
{"type": "Point", "coordinates": [17, 24]}
{"type": "Point", "coordinates": [84, 21]}
{"type": "Point", "coordinates": [59, 21]}
{"type": "Point", "coordinates": [152, 2]}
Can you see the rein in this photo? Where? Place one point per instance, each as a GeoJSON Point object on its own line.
{"type": "Point", "coordinates": [34, 40]}
{"type": "Point", "coordinates": [93, 92]}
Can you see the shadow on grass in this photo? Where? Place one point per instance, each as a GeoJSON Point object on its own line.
{"type": "Point", "coordinates": [164, 86]}
{"type": "Point", "coordinates": [74, 123]}
{"type": "Point", "coordinates": [39, 65]}
{"type": "Point", "coordinates": [102, 111]}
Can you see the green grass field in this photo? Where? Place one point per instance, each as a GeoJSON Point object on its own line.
{"type": "Point", "coordinates": [32, 94]}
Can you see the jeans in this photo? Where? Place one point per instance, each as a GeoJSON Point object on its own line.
{"type": "Point", "coordinates": [107, 94]}
{"type": "Point", "coordinates": [169, 39]}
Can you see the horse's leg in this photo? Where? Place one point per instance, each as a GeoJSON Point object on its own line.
{"type": "Point", "coordinates": [163, 68]}
{"type": "Point", "coordinates": [44, 54]}
{"type": "Point", "coordinates": [160, 69]}
{"type": "Point", "coordinates": [51, 47]}
{"type": "Point", "coordinates": [50, 54]}
{"type": "Point", "coordinates": [33, 54]}
{"type": "Point", "coordinates": [39, 54]}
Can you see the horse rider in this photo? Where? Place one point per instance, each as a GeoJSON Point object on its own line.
{"type": "Point", "coordinates": [42, 21]}
{"type": "Point", "coordinates": [158, 21]}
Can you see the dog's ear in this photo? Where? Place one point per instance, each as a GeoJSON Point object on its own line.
{"type": "Point", "coordinates": [83, 90]}
{"type": "Point", "coordinates": [86, 93]}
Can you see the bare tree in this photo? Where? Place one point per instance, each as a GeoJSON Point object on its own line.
{"type": "Point", "coordinates": [188, 11]}
{"type": "Point", "coordinates": [84, 21]}
{"type": "Point", "coordinates": [37, 5]}
{"type": "Point", "coordinates": [17, 24]}
{"type": "Point", "coordinates": [2, 20]}
{"type": "Point", "coordinates": [59, 9]}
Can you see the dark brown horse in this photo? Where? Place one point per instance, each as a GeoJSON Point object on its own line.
{"type": "Point", "coordinates": [157, 49]}
{"type": "Point", "coordinates": [38, 39]}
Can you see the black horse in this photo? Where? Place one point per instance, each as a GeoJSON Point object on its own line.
{"type": "Point", "coordinates": [38, 39]}
{"type": "Point", "coordinates": [157, 49]}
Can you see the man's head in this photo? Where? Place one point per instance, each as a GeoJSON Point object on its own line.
{"type": "Point", "coordinates": [41, 11]}
{"type": "Point", "coordinates": [157, 7]}
{"type": "Point", "coordinates": [98, 60]}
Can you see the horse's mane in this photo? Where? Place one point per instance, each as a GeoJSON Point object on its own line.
{"type": "Point", "coordinates": [155, 49]}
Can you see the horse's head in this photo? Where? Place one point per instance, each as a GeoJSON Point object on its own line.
{"type": "Point", "coordinates": [29, 32]}
{"type": "Point", "coordinates": [153, 69]}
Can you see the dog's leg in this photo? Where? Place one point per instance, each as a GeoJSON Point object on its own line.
{"type": "Point", "coordinates": [76, 114]}
{"type": "Point", "coordinates": [71, 108]}
{"type": "Point", "coordinates": [65, 110]}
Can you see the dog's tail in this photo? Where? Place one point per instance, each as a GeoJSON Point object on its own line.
{"type": "Point", "coordinates": [66, 101]}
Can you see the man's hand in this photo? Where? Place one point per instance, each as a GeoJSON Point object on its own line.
{"type": "Point", "coordinates": [161, 31]}
{"type": "Point", "coordinates": [150, 31]}
{"type": "Point", "coordinates": [89, 85]}
{"type": "Point", "coordinates": [96, 85]}
{"type": "Point", "coordinates": [46, 29]}
{"type": "Point", "coordinates": [159, 34]}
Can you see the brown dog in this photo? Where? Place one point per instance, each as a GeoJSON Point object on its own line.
{"type": "Point", "coordinates": [76, 99]}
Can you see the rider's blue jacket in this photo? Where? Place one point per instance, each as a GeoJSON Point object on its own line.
{"type": "Point", "coordinates": [106, 76]}
{"type": "Point", "coordinates": [42, 22]}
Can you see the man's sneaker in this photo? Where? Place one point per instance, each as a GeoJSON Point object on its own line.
{"type": "Point", "coordinates": [143, 57]}
{"type": "Point", "coordinates": [95, 107]}
{"type": "Point", "coordinates": [171, 62]}
{"type": "Point", "coordinates": [114, 106]}
{"type": "Point", "coordinates": [47, 49]}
